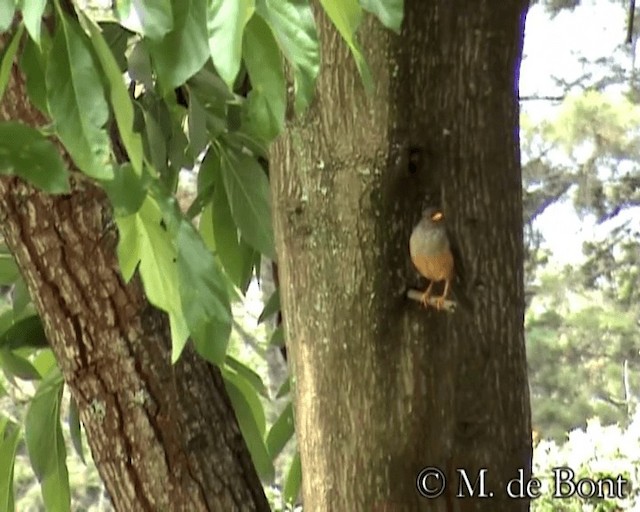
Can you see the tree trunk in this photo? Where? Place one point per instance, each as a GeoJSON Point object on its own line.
{"type": "Point", "coordinates": [163, 437]}
{"type": "Point", "coordinates": [385, 388]}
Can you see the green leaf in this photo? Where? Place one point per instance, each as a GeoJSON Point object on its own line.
{"type": "Point", "coordinates": [153, 18]}
{"type": "Point", "coordinates": [126, 191]}
{"type": "Point", "coordinates": [389, 12]}
{"type": "Point", "coordinates": [281, 431]}
{"type": "Point", "coordinates": [294, 27]}
{"type": "Point", "coordinates": [294, 480]}
{"type": "Point", "coordinates": [284, 389]}
{"type": "Point", "coordinates": [277, 337]}
{"type": "Point", "coordinates": [7, 59]}
{"type": "Point", "coordinates": [249, 198]}
{"type": "Point", "coordinates": [143, 239]}
{"type": "Point", "coordinates": [6, 319]}
{"type": "Point", "coordinates": [225, 23]}
{"type": "Point", "coordinates": [7, 8]}
{"type": "Point", "coordinates": [139, 65]}
{"type": "Point", "coordinates": [32, 11]}
{"type": "Point", "coordinates": [250, 414]}
{"type": "Point", "coordinates": [184, 50]}
{"type": "Point", "coordinates": [21, 298]}
{"type": "Point", "coordinates": [117, 40]}
{"type": "Point", "coordinates": [346, 15]}
{"type": "Point", "coordinates": [205, 303]}
{"type": "Point", "coordinates": [248, 374]}
{"type": "Point", "coordinates": [225, 234]}
{"type": "Point", "coordinates": [120, 100]}
{"type": "Point", "coordinates": [250, 396]}
{"type": "Point", "coordinates": [33, 65]}
{"type": "Point", "coordinates": [16, 366]}
{"type": "Point", "coordinates": [271, 307]}
{"type": "Point", "coordinates": [77, 101]}
{"type": "Point", "coordinates": [214, 96]}
{"type": "Point", "coordinates": [199, 203]}
{"type": "Point", "coordinates": [8, 269]}
{"type": "Point", "coordinates": [266, 103]}
{"type": "Point", "coordinates": [156, 138]}
{"type": "Point", "coordinates": [45, 443]}
{"type": "Point", "coordinates": [44, 361]}
{"type": "Point", "coordinates": [198, 134]}
{"type": "Point", "coordinates": [26, 153]}
{"type": "Point", "coordinates": [9, 438]}
{"type": "Point", "coordinates": [27, 332]}
{"type": "Point", "coordinates": [74, 428]}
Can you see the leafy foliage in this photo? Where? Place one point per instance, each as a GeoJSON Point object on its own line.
{"type": "Point", "coordinates": [595, 452]}
{"type": "Point", "coordinates": [170, 86]}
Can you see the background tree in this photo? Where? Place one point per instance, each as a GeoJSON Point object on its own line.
{"type": "Point", "coordinates": [207, 91]}
{"type": "Point", "coordinates": [349, 181]}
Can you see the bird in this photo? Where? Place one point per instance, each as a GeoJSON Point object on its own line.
{"type": "Point", "coordinates": [431, 253]}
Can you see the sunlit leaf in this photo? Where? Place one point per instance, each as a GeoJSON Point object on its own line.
{"type": "Point", "coordinates": [45, 443]}
{"type": "Point", "coordinates": [248, 374]}
{"type": "Point", "coordinates": [16, 366]}
{"type": "Point", "coordinates": [294, 27]}
{"type": "Point", "coordinates": [294, 480]}
{"type": "Point", "coordinates": [8, 269]}
{"type": "Point", "coordinates": [271, 307]}
{"type": "Point", "coordinates": [120, 100]}
{"type": "Point", "coordinates": [9, 438]}
{"type": "Point", "coordinates": [74, 428]}
{"type": "Point", "coordinates": [277, 337]}
{"type": "Point", "coordinates": [389, 12]}
{"type": "Point", "coordinates": [284, 389]}
{"type": "Point", "coordinates": [153, 18]}
{"type": "Point", "coordinates": [184, 50]}
{"type": "Point", "coordinates": [249, 198]}
{"type": "Point", "coordinates": [7, 59]}
{"type": "Point", "coordinates": [77, 101]}
{"type": "Point", "coordinates": [225, 232]}
{"type": "Point", "coordinates": [144, 240]}
{"type": "Point", "coordinates": [225, 23]}
{"type": "Point", "coordinates": [281, 432]}
{"type": "Point", "coordinates": [32, 11]}
{"type": "Point", "coordinates": [7, 8]}
{"type": "Point", "coordinates": [250, 414]}
{"type": "Point", "coordinates": [205, 303]}
{"type": "Point", "coordinates": [266, 103]}
{"type": "Point", "coordinates": [33, 65]}
{"type": "Point", "coordinates": [126, 191]}
{"type": "Point", "coordinates": [346, 15]}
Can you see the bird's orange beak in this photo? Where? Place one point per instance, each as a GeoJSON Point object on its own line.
{"type": "Point", "coordinates": [437, 216]}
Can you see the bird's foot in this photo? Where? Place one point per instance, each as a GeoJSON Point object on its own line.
{"type": "Point", "coordinates": [424, 299]}
{"type": "Point", "coordinates": [439, 302]}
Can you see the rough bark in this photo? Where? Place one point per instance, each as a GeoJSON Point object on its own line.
{"type": "Point", "coordinates": [383, 387]}
{"type": "Point", "coordinates": [163, 437]}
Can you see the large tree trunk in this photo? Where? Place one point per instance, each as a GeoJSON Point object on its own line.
{"type": "Point", "coordinates": [163, 437]}
{"type": "Point", "coordinates": [383, 387]}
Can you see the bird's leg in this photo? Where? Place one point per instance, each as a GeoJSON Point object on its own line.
{"type": "Point", "coordinates": [425, 296]}
{"type": "Point", "coordinates": [440, 300]}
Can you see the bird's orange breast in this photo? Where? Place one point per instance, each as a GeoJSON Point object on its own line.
{"type": "Point", "coordinates": [436, 267]}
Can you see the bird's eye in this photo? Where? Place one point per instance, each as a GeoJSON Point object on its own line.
{"type": "Point", "coordinates": [437, 216]}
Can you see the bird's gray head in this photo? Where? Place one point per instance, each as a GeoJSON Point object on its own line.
{"type": "Point", "coordinates": [432, 217]}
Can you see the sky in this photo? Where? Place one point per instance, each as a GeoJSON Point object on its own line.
{"type": "Point", "coordinates": [552, 48]}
